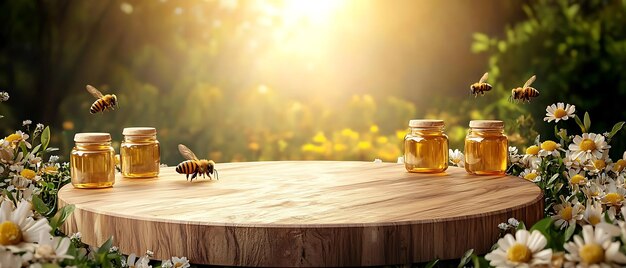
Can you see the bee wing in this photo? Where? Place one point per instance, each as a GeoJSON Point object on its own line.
{"type": "Point", "coordinates": [96, 93]}
{"type": "Point", "coordinates": [186, 152]}
{"type": "Point", "coordinates": [484, 78]}
{"type": "Point", "coordinates": [529, 82]}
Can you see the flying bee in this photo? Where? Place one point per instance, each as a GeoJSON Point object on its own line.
{"type": "Point", "coordinates": [194, 166]}
{"type": "Point", "coordinates": [481, 86]}
{"type": "Point", "coordinates": [524, 93]}
{"type": "Point", "coordinates": [103, 102]}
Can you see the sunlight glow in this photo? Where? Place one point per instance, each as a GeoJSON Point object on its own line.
{"type": "Point", "coordinates": [312, 11]}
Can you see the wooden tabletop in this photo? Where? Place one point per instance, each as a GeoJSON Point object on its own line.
{"type": "Point", "coordinates": [304, 213]}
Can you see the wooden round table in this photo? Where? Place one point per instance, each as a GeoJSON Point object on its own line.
{"type": "Point", "coordinates": [304, 213]}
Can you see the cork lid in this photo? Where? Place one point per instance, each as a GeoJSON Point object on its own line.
{"type": "Point", "coordinates": [92, 137]}
{"type": "Point", "coordinates": [425, 123]}
{"type": "Point", "coordinates": [486, 124]}
{"type": "Point", "coordinates": [139, 131]}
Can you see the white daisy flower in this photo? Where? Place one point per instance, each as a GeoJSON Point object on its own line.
{"type": "Point", "coordinates": [593, 249]}
{"type": "Point", "coordinates": [456, 157]}
{"type": "Point", "coordinates": [133, 262]}
{"type": "Point", "coordinates": [26, 122]}
{"type": "Point", "coordinates": [589, 146]}
{"type": "Point", "coordinates": [593, 213]}
{"type": "Point", "coordinates": [613, 195]}
{"type": "Point", "coordinates": [76, 236]}
{"type": "Point", "coordinates": [149, 253]}
{"type": "Point", "coordinates": [166, 264]}
{"type": "Point", "coordinates": [530, 175]}
{"type": "Point", "coordinates": [53, 158]}
{"type": "Point", "coordinates": [53, 249]}
{"type": "Point", "coordinates": [560, 111]}
{"type": "Point", "coordinates": [4, 96]}
{"type": "Point", "coordinates": [503, 226]}
{"type": "Point", "coordinates": [18, 137]}
{"type": "Point", "coordinates": [567, 213]}
{"type": "Point", "coordinates": [19, 229]}
{"type": "Point", "coordinates": [180, 262]}
{"type": "Point", "coordinates": [513, 222]}
{"type": "Point", "coordinates": [593, 190]}
{"type": "Point", "coordinates": [523, 250]}
{"type": "Point", "coordinates": [549, 148]}
{"type": "Point", "coordinates": [513, 156]}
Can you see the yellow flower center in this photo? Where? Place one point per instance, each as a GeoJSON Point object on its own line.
{"type": "Point", "coordinates": [566, 213]}
{"type": "Point", "coordinates": [558, 113]}
{"type": "Point", "coordinates": [534, 150]}
{"type": "Point", "coordinates": [531, 176]}
{"type": "Point", "coordinates": [519, 253]}
{"type": "Point", "coordinates": [13, 137]}
{"type": "Point", "coordinates": [614, 198]}
{"type": "Point", "coordinates": [549, 145]}
{"type": "Point", "coordinates": [599, 164]}
{"type": "Point", "coordinates": [577, 179]}
{"type": "Point", "coordinates": [10, 233]}
{"type": "Point", "coordinates": [178, 264]}
{"type": "Point", "coordinates": [593, 219]}
{"type": "Point", "coordinates": [619, 165]}
{"type": "Point", "coordinates": [587, 145]}
{"type": "Point", "coordinates": [591, 253]}
{"type": "Point", "coordinates": [29, 174]}
{"type": "Point", "coordinates": [51, 170]}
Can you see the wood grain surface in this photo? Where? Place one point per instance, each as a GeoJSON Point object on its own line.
{"type": "Point", "coordinates": [304, 213]}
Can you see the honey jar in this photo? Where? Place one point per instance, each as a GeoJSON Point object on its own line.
{"type": "Point", "coordinates": [140, 153]}
{"type": "Point", "coordinates": [92, 161]}
{"type": "Point", "coordinates": [486, 148]}
{"type": "Point", "coordinates": [426, 147]}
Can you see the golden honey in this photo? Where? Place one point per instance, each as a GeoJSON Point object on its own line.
{"type": "Point", "coordinates": [140, 153]}
{"type": "Point", "coordinates": [426, 147]}
{"type": "Point", "coordinates": [92, 161]}
{"type": "Point", "coordinates": [486, 148]}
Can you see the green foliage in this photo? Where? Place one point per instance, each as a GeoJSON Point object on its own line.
{"type": "Point", "coordinates": [577, 51]}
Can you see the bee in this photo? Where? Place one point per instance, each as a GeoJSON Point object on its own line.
{"type": "Point", "coordinates": [194, 166]}
{"type": "Point", "coordinates": [524, 93]}
{"type": "Point", "coordinates": [481, 86]}
{"type": "Point", "coordinates": [103, 102]}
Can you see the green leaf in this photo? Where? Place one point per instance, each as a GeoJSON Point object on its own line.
{"type": "Point", "coordinates": [104, 249]}
{"type": "Point", "coordinates": [432, 264]}
{"type": "Point", "coordinates": [39, 205]}
{"type": "Point", "coordinates": [616, 128]}
{"type": "Point", "coordinates": [51, 149]}
{"type": "Point", "coordinates": [553, 178]}
{"type": "Point", "coordinates": [569, 231]}
{"type": "Point", "coordinates": [587, 121]}
{"type": "Point", "coordinates": [543, 225]}
{"type": "Point", "coordinates": [35, 150]}
{"type": "Point", "coordinates": [50, 265]}
{"type": "Point", "coordinates": [607, 218]}
{"type": "Point", "coordinates": [521, 226]}
{"type": "Point", "coordinates": [478, 47]}
{"type": "Point", "coordinates": [61, 216]}
{"type": "Point", "coordinates": [466, 258]}
{"type": "Point", "coordinates": [23, 147]}
{"type": "Point", "coordinates": [580, 124]}
{"type": "Point", "coordinates": [9, 195]}
{"type": "Point", "coordinates": [45, 137]}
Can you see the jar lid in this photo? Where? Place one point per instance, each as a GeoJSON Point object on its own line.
{"type": "Point", "coordinates": [92, 137]}
{"type": "Point", "coordinates": [486, 124]}
{"type": "Point", "coordinates": [139, 131]}
{"type": "Point", "coordinates": [425, 123]}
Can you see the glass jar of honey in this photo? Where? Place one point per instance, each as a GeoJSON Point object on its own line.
{"type": "Point", "coordinates": [486, 148]}
{"type": "Point", "coordinates": [92, 161]}
{"type": "Point", "coordinates": [140, 153]}
{"type": "Point", "coordinates": [426, 147]}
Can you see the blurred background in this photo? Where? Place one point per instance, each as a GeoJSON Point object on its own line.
{"type": "Point", "coordinates": [303, 79]}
